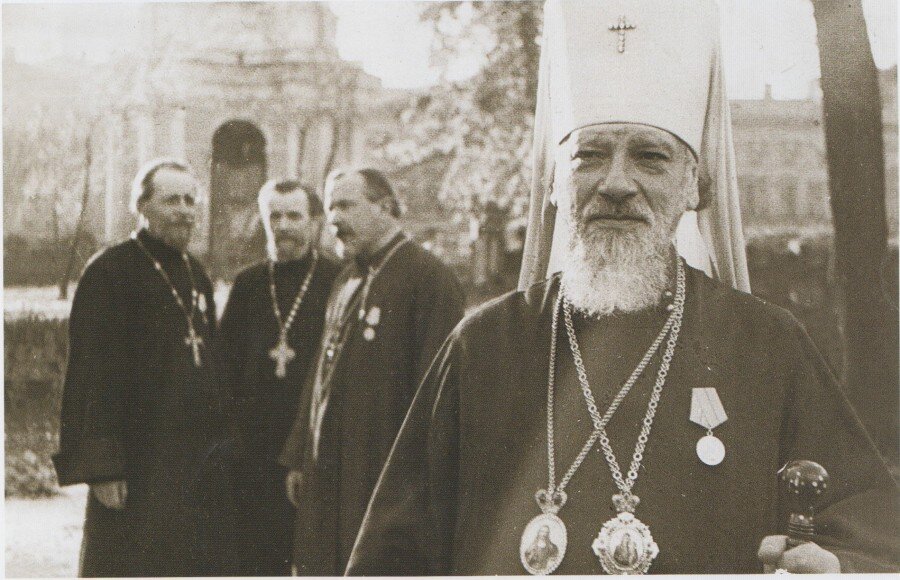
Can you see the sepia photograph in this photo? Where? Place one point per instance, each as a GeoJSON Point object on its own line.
{"type": "Point", "coordinates": [450, 288]}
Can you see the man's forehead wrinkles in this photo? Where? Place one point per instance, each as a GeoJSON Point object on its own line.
{"type": "Point", "coordinates": [590, 136]}
{"type": "Point", "coordinates": [602, 135]}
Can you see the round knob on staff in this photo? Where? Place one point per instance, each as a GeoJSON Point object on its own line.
{"type": "Point", "coordinates": [805, 482]}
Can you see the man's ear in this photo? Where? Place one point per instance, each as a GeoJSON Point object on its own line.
{"type": "Point", "coordinates": [141, 215]}
{"type": "Point", "coordinates": [318, 224]}
{"type": "Point", "coordinates": [694, 194]}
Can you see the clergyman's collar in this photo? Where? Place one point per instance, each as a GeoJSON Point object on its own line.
{"type": "Point", "coordinates": [294, 263]}
{"type": "Point", "coordinates": [384, 245]}
{"type": "Point", "coordinates": [156, 246]}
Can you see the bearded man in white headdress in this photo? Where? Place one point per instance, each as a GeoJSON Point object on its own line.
{"type": "Point", "coordinates": [635, 403]}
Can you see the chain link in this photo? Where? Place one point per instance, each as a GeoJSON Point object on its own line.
{"type": "Point", "coordinates": [195, 295]}
{"type": "Point", "coordinates": [625, 485]}
{"type": "Point", "coordinates": [673, 325]}
{"type": "Point", "coordinates": [285, 325]}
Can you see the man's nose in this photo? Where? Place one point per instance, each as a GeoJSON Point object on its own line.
{"type": "Point", "coordinates": [617, 185]}
{"type": "Point", "coordinates": [186, 208]}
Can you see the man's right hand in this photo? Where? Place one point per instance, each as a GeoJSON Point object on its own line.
{"type": "Point", "coordinates": [111, 494]}
{"type": "Point", "coordinates": [294, 482]}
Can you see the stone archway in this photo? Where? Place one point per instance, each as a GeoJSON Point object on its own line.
{"type": "Point", "coordinates": [238, 170]}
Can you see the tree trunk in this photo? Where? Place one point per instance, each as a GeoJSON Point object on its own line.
{"type": "Point", "coordinates": [82, 215]}
{"type": "Point", "coordinates": [333, 147]}
{"type": "Point", "coordinates": [854, 145]}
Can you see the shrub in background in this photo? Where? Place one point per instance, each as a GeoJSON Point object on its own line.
{"type": "Point", "coordinates": [795, 270]}
{"type": "Point", "coordinates": [42, 262]}
{"type": "Point", "coordinates": [35, 358]}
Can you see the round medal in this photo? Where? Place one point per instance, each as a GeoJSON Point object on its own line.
{"type": "Point", "coordinates": [710, 450]}
{"type": "Point", "coordinates": [543, 544]}
{"type": "Point", "coordinates": [369, 333]}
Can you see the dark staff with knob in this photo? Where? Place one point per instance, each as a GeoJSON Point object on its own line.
{"type": "Point", "coordinates": [804, 482]}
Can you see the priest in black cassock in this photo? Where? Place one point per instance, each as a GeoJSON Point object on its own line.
{"type": "Point", "coordinates": [629, 414]}
{"type": "Point", "coordinates": [389, 312]}
{"type": "Point", "coordinates": [141, 418]}
{"type": "Point", "coordinates": [267, 338]}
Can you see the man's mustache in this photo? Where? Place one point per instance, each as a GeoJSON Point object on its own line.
{"type": "Point", "coordinates": [620, 211]}
{"type": "Point", "coordinates": [343, 232]}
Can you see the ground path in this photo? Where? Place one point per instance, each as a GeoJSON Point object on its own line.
{"type": "Point", "coordinates": [43, 536]}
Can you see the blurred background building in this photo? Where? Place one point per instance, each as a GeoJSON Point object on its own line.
{"type": "Point", "coordinates": [242, 91]}
{"type": "Point", "coordinates": [250, 91]}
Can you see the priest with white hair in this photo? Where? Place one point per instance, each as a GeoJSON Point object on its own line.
{"type": "Point", "coordinates": [630, 407]}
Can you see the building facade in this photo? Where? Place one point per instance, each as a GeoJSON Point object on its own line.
{"type": "Point", "coordinates": [781, 161]}
{"type": "Point", "coordinates": [244, 92]}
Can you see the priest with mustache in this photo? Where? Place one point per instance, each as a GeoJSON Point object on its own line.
{"type": "Point", "coordinates": [390, 309]}
{"type": "Point", "coordinates": [629, 404]}
{"type": "Point", "coordinates": [267, 339]}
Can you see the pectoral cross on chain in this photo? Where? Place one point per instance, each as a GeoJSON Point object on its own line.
{"type": "Point", "coordinates": [621, 27]}
{"type": "Point", "coordinates": [194, 341]}
{"type": "Point", "coordinates": [282, 354]}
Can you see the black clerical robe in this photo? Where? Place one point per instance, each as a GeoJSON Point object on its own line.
{"type": "Point", "coordinates": [136, 408]}
{"type": "Point", "coordinates": [419, 302]}
{"type": "Point", "coordinates": [458, 488]}
{"type": "Point", "coordinates": [261, 406]}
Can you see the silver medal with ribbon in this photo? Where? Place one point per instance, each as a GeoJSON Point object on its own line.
{"type": "Point", "coordinates": [707, 411]}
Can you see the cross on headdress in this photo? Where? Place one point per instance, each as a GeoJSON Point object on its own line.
{"type": "Point", "coordinates": [621, 27]}
{"type": "Point", "coordinates": [673, 81]}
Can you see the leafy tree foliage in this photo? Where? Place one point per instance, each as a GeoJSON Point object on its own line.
{"type": "Point", "coordinates": [482, 123]}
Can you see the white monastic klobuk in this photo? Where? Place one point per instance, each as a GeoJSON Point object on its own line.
{"type": "Point", "coordinates": [662, 68]}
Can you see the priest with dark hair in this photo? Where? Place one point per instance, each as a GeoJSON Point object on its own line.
{"type": "Point", "coordinates": [635, 402]}
{"type": "Point", "coordinates": [267, 339]}
{"type": "Point", "coordinates": [390, 309]}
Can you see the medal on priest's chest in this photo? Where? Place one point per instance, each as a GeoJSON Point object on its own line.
{"type": "Point", "coordinates": [282, 353]}
{"type": "Point", "coordinates": [624, 544]}
{"type": "Point", "coordinates": [707, 411]}
{"type": "Point", "coordinates": [372, 318]}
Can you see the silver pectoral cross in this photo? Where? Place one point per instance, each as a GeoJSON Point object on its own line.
{"type": "Point", "coordinates": [282, 354]}
{"type": "Point", "coordinates": [621, 27]}
{"type": "Point", "coordinates": [194, 341]}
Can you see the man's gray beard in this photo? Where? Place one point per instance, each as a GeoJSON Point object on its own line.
{"type": "Point", "coordinates": [609, 271]}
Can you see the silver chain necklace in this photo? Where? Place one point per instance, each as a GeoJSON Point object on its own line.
{"type": "Point", "coordinates": [193, 338]}
{"type": "Point", "coordinates": [624, 544]}
{"type": "Point", "coordinates": [282, 353]}
{"type": "Point", "coordinates": [548, 526]}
